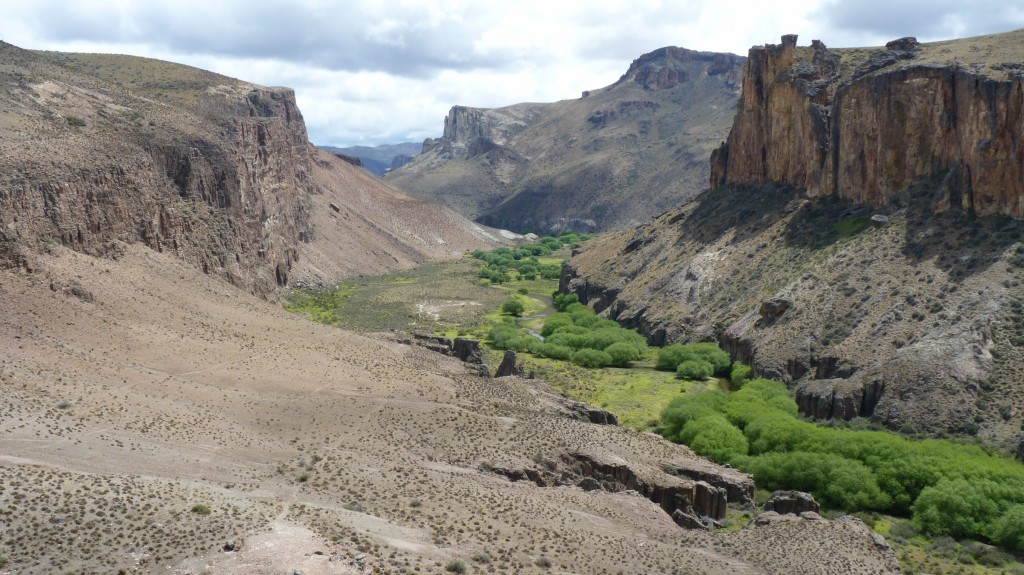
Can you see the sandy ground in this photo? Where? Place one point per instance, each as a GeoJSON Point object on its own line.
{"type": "Point", "coordinates": [160, 413]}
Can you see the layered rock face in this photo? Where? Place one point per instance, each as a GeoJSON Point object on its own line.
{"type": "Point", "coordinates": [866, 124]}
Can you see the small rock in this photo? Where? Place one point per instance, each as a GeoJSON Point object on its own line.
{"type": "Point", "coordinates": [879, 221]}
{"type": "Point", "coordinates": [687, 520]}
{"type": "Point", "coordinates": [791, 502]}
{"type": "Point", "coordinates": [773, 308]}
{"type": "Point", "coordinates": [590, 484]}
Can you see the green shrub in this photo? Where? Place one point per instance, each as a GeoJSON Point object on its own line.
{"type": "Point", "coordinates": [201, 509]}
{"type": "Point", "coordinates": [954, 507]}
{"type": "Point", "coordinates": [671, 356]}
{"type": "Point", "coordinates": [714, 437]}
{"type": "Point", "coordinates": [561, 301]}
{"type": "Point", "coordinates": [591, 358]}
{"type": "Point", "coordinates": [554, 322]}
{"type": "Point", "coordinates": [1008, 529]}
{"type": "Point", "coordinates": [697, 369]}
{"type": "Point", "coordinates": [622, 353]}
{"type": "Point", "coordinates": [553, 351]}
{"type": "Point", "coordinates": [681, 410]}
{"type": "Point", "coordinates": [513, 307]}
{"type": "Point", "coordinates": [739, 375]}
{"type": "Point", "coordinates": [834, 480]}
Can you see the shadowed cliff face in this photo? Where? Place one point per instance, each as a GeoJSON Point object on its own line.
{"type": "Point", "coordinates": [866, 123]}
{"type": "Point", "coordinates": [103, 150]}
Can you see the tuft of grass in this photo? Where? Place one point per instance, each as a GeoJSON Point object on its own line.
{"type": "Point", "coordinates": [201, 509]}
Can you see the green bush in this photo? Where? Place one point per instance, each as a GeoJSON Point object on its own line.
{"type": "Point", "coordinates": [554, 351]}
{"type": "Point", "coordinates": [622, 353]}
{"type": "Point", "coordinates": [671, 356]}
{"type": "Point", "coordinates": [554, 322]}
{"type": "Point", "coordinates": [1008, 529]}
{"type": "Point", "coordinates": [697, 369]}
{"type": "Point", "coordinates": [561, 301]}
{"type": "Point", "coordinates": [714, 437]}
{"type": "Point", "coordinates": [513, 307]}
{"type": "Point", "coordinates": [681, 410]}
{"type": "Point", "coordinates": [591, 358]}
{"type": "Point", "coordinates": [954, 507]}
{"type": "Point", "coordinates": [739, 375]}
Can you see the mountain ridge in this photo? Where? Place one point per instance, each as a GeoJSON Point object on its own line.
{"type": "Point", "coordinates": [612, 158]}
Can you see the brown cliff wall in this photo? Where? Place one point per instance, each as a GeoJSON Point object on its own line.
{"type": "Point", "coordinates": [832, 122]}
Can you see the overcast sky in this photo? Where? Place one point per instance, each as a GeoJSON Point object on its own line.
{"type": "Point", "coordinates": [385, 71]}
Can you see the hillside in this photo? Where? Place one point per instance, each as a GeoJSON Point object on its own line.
{"type": "Point", "coordinates": [105, 150]}
{"type": "Point", "coordinates": [873, 293]}
{"type": "Point", "coordinates": [613, 158]}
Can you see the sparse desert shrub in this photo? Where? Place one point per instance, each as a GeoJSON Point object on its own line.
{"type": "Point", "coordinates": [455, 566]}
{"type": "Point", "coordinates": [481, 557]}
{"type": "Point", "coordinates": [75, 122]}
{"type": "Point", "coordinates": [543, 562]}
{"type": "Point", "coordinates": [201, 509]}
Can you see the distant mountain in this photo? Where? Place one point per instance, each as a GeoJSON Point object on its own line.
{"type": "Point", "coordinates": [381, 159]}
{"type": "Point", "coordinates": [614, 157]}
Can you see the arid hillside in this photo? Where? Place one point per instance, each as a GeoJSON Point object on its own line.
{"type": "Point", "coordinates": [154, 416]}
{"type": "Point", "coordinates": [103, 150]}
{"type": "Point", "coordinates": [613, 158]}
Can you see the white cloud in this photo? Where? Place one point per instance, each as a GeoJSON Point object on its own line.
{"type": "Point", "coordinates": [388, 70]}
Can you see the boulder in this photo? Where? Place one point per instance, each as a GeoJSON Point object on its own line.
{"type": "Point", "coordinates": [508, 365]}
{"type": "Point", "coordinates": [791, 502]}
{"type": "Point", "coordinates": [687, 520]}
{"type": "Point", "coordinates": [879, 221]}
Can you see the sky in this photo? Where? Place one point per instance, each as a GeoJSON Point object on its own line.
{"type": "Point", "coordinates": [386, 71]}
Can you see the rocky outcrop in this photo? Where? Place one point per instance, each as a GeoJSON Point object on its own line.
{"type": "Point", "coordinates": [791, 502]}
{"type": "Point", "coordinates": [690, 503]}
{"type": "Point", "coordinates": [838, 398]}
{"type": "Point", "coordinates": [508, 366]}
{"type": "Point", "coordinates": [810, 119]}
{"type": "Point", "coordinates": [665, 68]}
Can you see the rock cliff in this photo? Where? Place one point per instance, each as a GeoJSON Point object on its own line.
{"type": "Point", "coordinates": [101, 150]}
{"type": "Point", "coordinates": [614, 157]}
{"type": "Point", "coordinates": [865, 124]}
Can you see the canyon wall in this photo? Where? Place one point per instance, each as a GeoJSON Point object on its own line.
{"type": "Point", "coordinates": [865, 124]}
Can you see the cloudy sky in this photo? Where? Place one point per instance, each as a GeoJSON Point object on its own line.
{"type": "Point", "coordinates": [384, 71]}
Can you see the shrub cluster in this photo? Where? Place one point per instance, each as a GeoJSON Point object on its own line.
{"type": "Point", "coordinates": [947, 488]}
{"type": "Point", "coordinates": [576, 334]}
{"type": "Point", "coordinates": [524, 259]}
{"type": "Point", "coordinates": [694, 360]}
